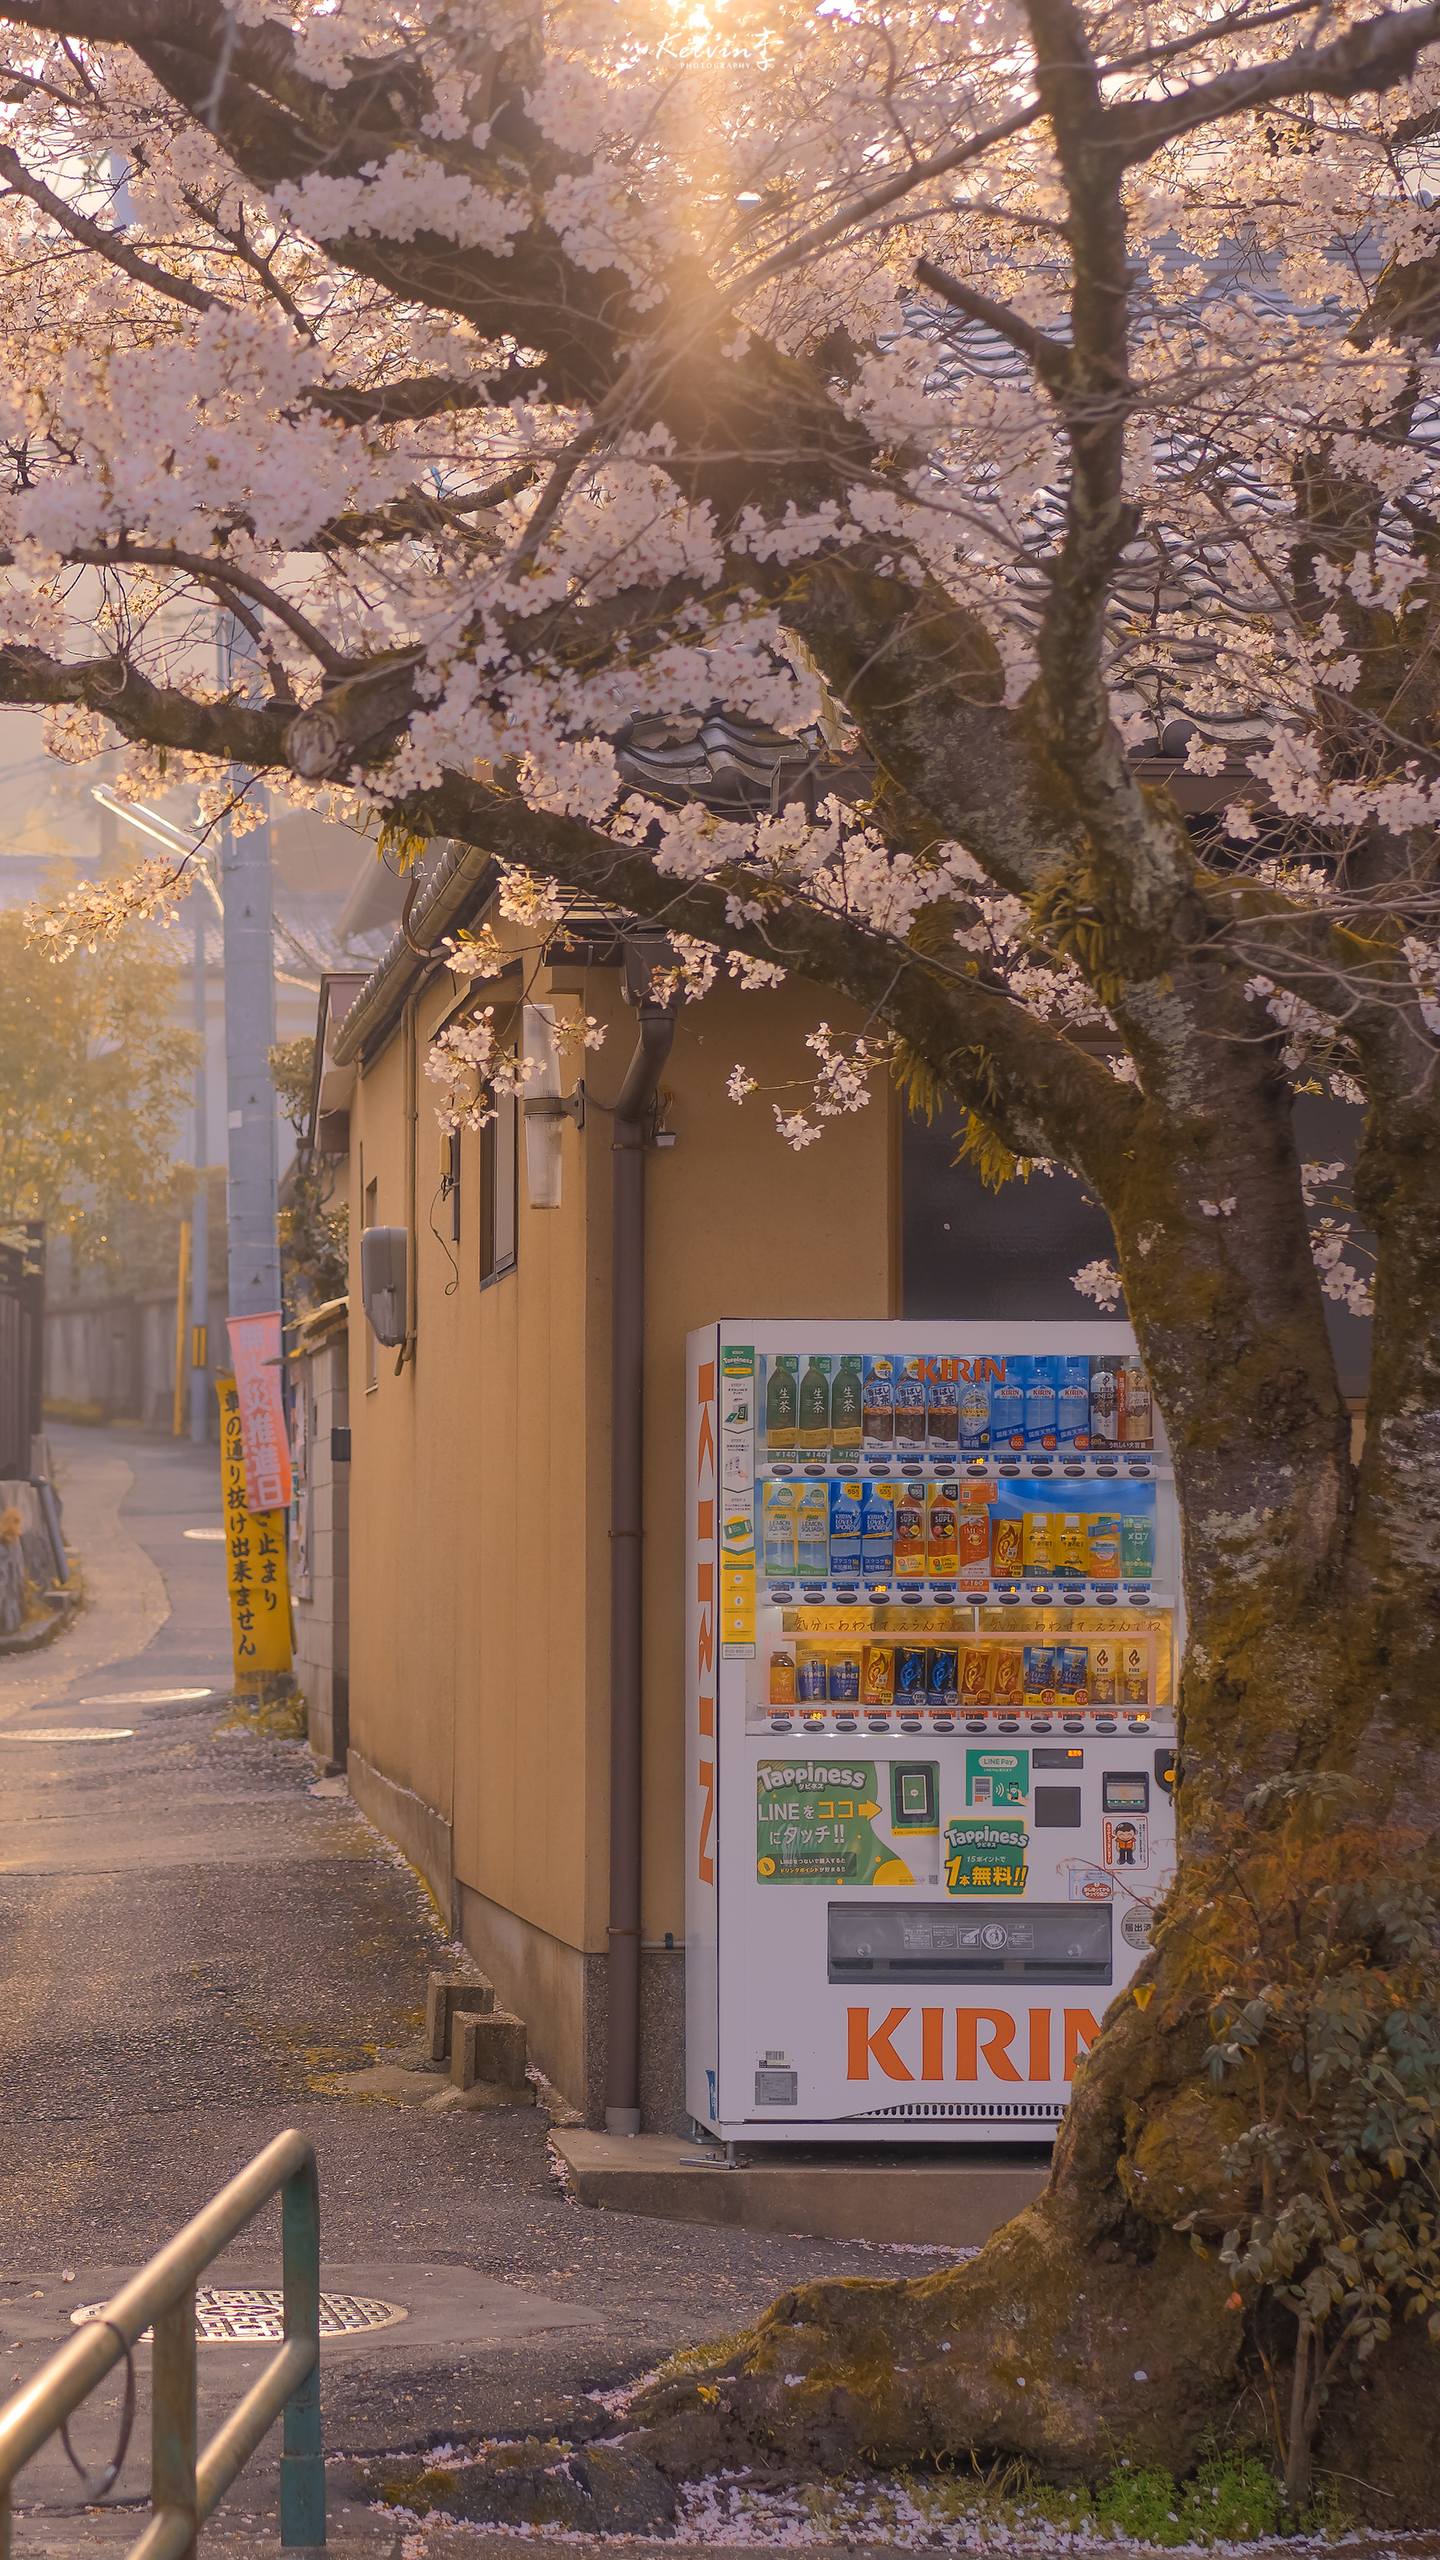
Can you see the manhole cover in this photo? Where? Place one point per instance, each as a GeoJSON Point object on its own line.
{"type": "Point", "coordinates": [73, 1733]}
{"type": "Point", "coordinates": [145, 1697]}
{"type": "Point", "coordinates": [250, 2315]}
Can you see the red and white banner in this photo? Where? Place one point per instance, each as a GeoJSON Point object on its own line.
{"type": "Point", "coordinates": [255, 1350]}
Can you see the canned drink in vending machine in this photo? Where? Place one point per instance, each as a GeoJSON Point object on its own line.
{"type": "Point", "coordinates": [1006, 1684]}
{"type": "Point", "coordinates": [1135, 1671]}
{"type": "Point", "coordinates": [877, 1675]}
{"type": "Point", "coordinates": [810, 1675]}
{"type": "Point", "coordinates": [912, 1673]}
{"type": "Point", "coordinates": [843, 1686]}
{"type": "Point", "coordinates": [943, 1687]}
{"type": "Point", "coordinates": [782, 1678]}
{"type": "Point", "coordinates": [1040, 1674]}
{"type": "Point", "coordinates": [976, 1675]}
{"type": "Point", "coordinates": [1007, 1546]}
{"type": "Point", "coordinates": [1072, 1672]}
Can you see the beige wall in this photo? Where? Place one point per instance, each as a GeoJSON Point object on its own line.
{"type": "Point", "coordinates": [480, 1477]}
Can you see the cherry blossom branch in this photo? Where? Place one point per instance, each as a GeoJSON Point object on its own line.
{"type": "Point", "coordinates": [111, 245]}
{"type": "Point", "coordinates": [421, 396]}
{"type": "Point", "coordinates": [1372, 57]}
{"type": "Point", "coordinates": [216, 571]}
{"type": "Point", "coordinates": [1039, 1089]}
{"type": "Point", "coordinates": [1050, 358]}
{"type": "Point", "coordinates": [406, 402]}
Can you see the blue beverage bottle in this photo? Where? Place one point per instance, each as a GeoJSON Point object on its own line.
{"type": "Point", "coordinates": [877, 1533]}
{"type": "Point", "coordinates": [845, 1508]}
{"type": "Point", "coordinates": [1042, 1419]}
{"type": "Point", "coordinates": [1073, 1402]}
{"type": "Point", "coordinates": [1007, 1404]}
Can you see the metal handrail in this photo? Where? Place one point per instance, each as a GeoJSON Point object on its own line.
{"type": "Point", "coordinates": [186, 2484]}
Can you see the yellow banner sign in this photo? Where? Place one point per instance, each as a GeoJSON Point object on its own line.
{"type": "Point", "coordinates": [254, 1559]}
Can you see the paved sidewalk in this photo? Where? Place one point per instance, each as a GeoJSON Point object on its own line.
{"type": "Point", "coordinates": [190, 1940]}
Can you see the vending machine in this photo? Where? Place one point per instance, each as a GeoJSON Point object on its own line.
{"type": "Point", "coordinates": [933, 1619]}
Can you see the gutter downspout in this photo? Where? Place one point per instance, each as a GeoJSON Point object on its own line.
{"type": "Point", "coordinates": [627, 1458]}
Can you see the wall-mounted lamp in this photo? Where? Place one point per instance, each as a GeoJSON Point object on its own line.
{"type": "Point", "coordinates": [545, 1108]}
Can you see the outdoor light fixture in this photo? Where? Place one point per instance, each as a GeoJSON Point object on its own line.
{"type": "Point", "coordinates": [383, 1282]}
{"type": "Point", "coordinates": [545, 1106]}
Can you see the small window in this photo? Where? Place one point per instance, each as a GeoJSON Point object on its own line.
{"type": "Point", "coordinates": [498, 1207]}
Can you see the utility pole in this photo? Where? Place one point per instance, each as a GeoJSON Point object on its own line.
{"type": "Point", "coordinates": [252, 1148]}
{"type": "Point", "coordinates": [200, 1206]}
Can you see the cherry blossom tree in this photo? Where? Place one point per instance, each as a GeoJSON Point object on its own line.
{"type": "Point", "coordinates": [1034, 405]}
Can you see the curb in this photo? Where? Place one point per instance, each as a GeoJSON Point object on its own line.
{"type": "Point", "coordinates": [30, 1639]}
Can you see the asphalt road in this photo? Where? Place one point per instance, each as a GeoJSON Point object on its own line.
{"type": "Point", "coordinates": [191, 1941]}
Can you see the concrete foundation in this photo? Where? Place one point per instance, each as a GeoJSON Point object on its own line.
{"type": "Point", "coordinates": [954, 2203]}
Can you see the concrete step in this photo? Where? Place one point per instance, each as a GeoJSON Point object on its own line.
{"type": "Point", "coordinates": [490, 2046]}
{"type": "Point", "coordinates": [448, 1995]}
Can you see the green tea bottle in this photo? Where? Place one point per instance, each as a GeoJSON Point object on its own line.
{"type": "Point", "coordinates": [815, 1408]}
{"type": "Point", "coordinates": [847, 1408]}
{"type": "Point", "coordinates": [782, 1406]}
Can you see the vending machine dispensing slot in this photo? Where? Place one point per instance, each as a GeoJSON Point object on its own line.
{"type": "Point", "coordinates": [1045, 1942]}
{"type": "Point", "coordinates": [933, 1626]}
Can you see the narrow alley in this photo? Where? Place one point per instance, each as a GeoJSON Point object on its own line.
{"type": "Point", "coordinates": [196, 1941]}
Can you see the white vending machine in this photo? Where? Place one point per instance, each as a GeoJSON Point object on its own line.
{"type": "Point", "coordinates": [933, 1619]}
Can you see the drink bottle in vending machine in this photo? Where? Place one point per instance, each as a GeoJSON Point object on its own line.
{"type": "Point", "coordinates": [933, 1619]}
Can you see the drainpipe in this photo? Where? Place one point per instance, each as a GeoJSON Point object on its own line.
{"type": "Point", "coordinates": [627, 1434]}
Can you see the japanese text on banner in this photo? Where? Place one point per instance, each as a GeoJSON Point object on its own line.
{"type": "Point", "coordinates": [255, 1350]}
{"type": "Point", "coordinates": [254, 1558]}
